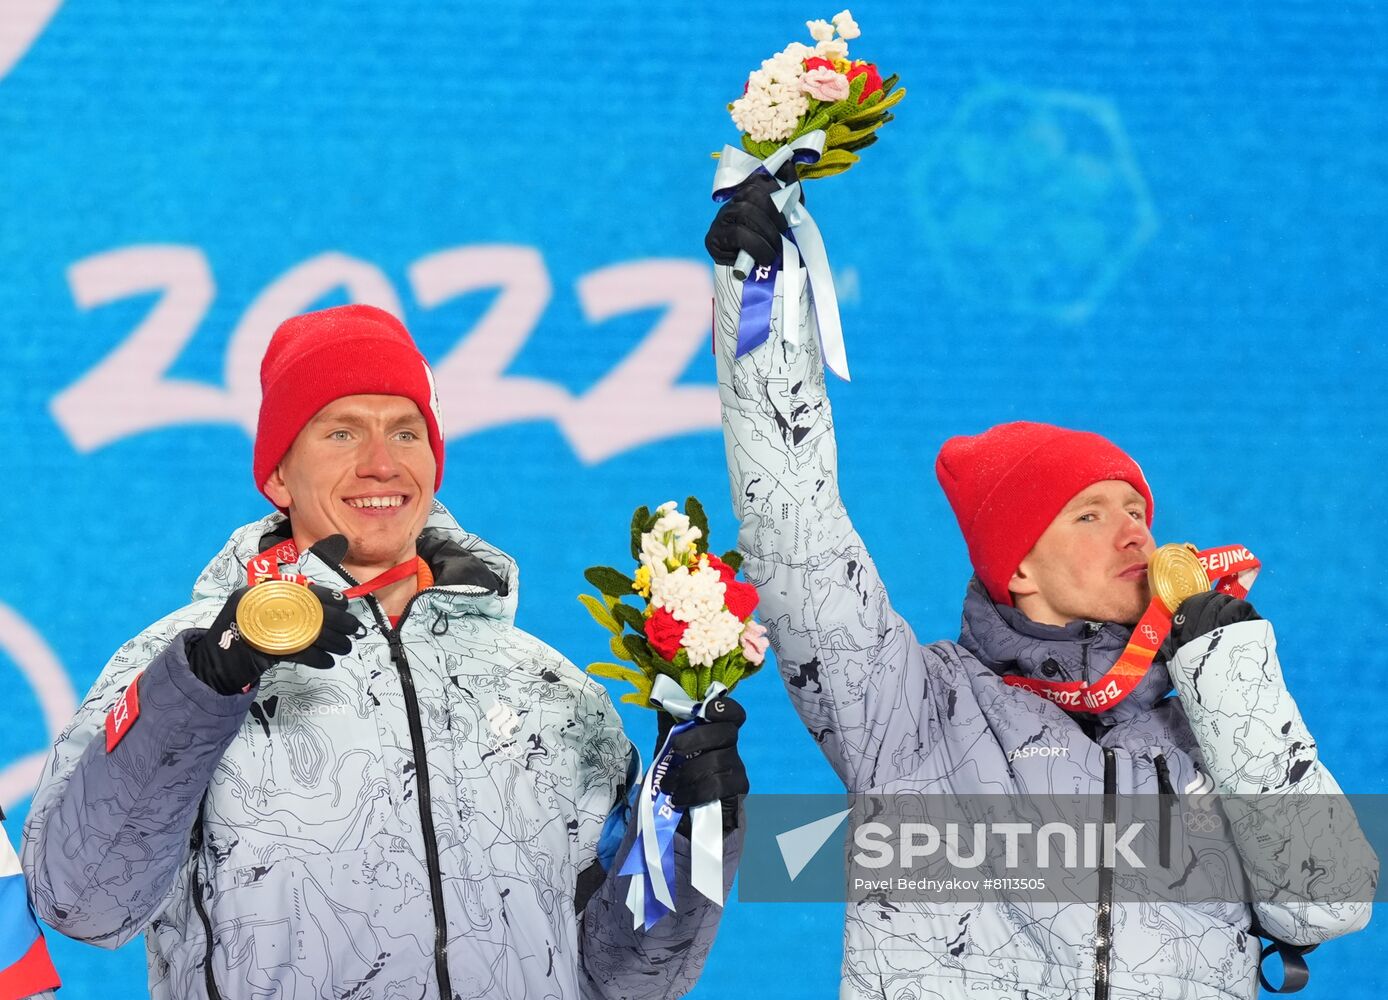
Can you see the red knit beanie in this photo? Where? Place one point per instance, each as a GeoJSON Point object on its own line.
{"type": "Point", "coordinates": [321, 356]}
{"type": "Point", "coordinates": [1007, 484]}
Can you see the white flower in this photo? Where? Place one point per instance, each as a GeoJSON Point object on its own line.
{"type": "Point", "coordinates": [671, 539]}
{"type": "Point", "coordinates": [820, 31]}
{"type": "Point", "coordinates": [847, 27]}
{"type": "Point", "coordinates": [688, 596]}
{"type": "Point", "coordinates": [710, 637]}
{"type": "Point", "coordinates": [772, 111]}
{"type": "Point", "coordinates": [835, 48]}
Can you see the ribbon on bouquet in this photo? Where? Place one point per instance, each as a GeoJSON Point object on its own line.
{"type": "Point", "coordinates": [801, 243]}
{"type": "Point", "coordinates": [651, 860]}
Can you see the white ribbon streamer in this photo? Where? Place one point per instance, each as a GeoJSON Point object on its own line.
{"type": "Point", "coordinates": [734, 167]}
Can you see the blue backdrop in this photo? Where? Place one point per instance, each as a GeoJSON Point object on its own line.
{"type": "Point", "coordinates": [1164, 222]}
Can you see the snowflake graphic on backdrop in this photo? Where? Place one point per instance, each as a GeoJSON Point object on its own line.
{"type": "Point", "coordinates": [1033, 200]}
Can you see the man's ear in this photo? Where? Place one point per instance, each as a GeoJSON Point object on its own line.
{"type": "Point", "coordinates": [276, 488]}
{"type": "Point", "coordinates": [1022, 583]}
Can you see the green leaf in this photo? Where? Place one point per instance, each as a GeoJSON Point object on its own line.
{"type": "Point", "coordinates": [639, 650]}
{"type": "Point", "coordinates": [608, 580]}
{"type": "Point", "coordinates": [835, 161]}
{"type": "Point", "coordinates": [697, 519]}
{"type": "Point", "coordinates": [874, 108]}
{"type": "Point", "coordinates": [619, 648]}
{"type": "Point", "coordinates": [642, 698]}
{"type": "Point", "coordinates": [724, 665]}
{"type": "Point", "coordinates": [821, 120]}
{"type": "Point", "coordinates": [600, 613]}
{"type": "Point", "coordinates": [815, 172]}
{"type": "Point", "coordinates": [638, 523]}
{"type": "Point", "coordinates": [660, 665]}
{"type": "Point", "coordinates": [617, 672]}
{"type": "Point", "coordinates": [733, 558]}
{"type": "Point", "coordinates": [863, 143]}
{"type": "Point", "coordinates": [840, 135]}
{"type": "Point", "coordinates": [689, 680]}
{"type": "Point", "coordinates": [629, 616]}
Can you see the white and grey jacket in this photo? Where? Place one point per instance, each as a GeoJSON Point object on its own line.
{"type": "Point", "coordinates": [892, 714]}
{"type": "Point", "coordinates": [415, 821]}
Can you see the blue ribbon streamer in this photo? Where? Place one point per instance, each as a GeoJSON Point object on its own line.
{"type": "Point", "coordinates": [651, 860]}
{"type": "Point", "coordinates": [758, 295]}
{"type": "Point", "coordinates": [666, 819]}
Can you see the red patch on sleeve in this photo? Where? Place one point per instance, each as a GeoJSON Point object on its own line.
{"type": "Point", "coordinates": [123, 716]}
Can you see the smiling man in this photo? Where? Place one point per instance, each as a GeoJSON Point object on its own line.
{"type": "Point", "coordinates": [1057, 524]}
{"type": "Point", "coordinates": [425, 802]}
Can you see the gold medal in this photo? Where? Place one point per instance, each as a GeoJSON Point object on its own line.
{"type": "Point", "coordinates": [1175, 573]}
{"type": "Point", "coordinates": [279, 617]}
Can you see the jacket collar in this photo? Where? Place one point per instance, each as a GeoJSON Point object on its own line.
{"type": "Point", "coordinates": [1009, 643]}
{"type": "Point", "coordinates": [470, 575]}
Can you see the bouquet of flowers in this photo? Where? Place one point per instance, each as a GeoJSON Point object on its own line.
{"type": "Point", "coordinates": [806, 113]}
{"type": "Point", "coordinates": [807, 88]}
{"type": "Point", "coordinates": [696, 625]}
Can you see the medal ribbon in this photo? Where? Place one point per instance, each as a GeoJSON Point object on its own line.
{"type": "Point", "coordinates": [1232, 567]}
{"type": "Point", "coordinates": [266, 566]}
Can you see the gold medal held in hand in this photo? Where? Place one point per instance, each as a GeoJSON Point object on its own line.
{"type": "Point", "coordinates": [1174, 573]}
{"type": "Point", "coordinates": [279, 618]}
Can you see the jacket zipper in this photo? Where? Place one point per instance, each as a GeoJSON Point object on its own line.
{"type": "Point", "coordinates": [421, 770]}
{"type": "Point", "coordinates": [1103, 930]}
{"type": "Point", "coordinates": [1166, 801]}
{"type": "Point", "coordinates": [208, 979]}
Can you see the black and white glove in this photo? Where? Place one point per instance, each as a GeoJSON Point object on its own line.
{"type": "Point", "coordinates": [749, 221]}
{"type": "Point", "coordinates": [226, 663]}
{"type": "Point", "coordinates": [1202, 613]}
{"type": "Point", "coordinates": [712, 770]}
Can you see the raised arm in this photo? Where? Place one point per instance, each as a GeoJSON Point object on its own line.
{"type": "Point", "coordinates": [862, 684]}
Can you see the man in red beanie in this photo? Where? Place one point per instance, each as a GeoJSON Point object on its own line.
{"type": "Point", "coordinates": [425, 801]}
{"type": "Point", "coordinates": [1038, 696]}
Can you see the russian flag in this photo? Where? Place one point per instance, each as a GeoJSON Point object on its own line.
{"type": "Point", "coordinates": [25, 968]}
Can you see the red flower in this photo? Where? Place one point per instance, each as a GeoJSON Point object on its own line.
{"type": "Point", "coordinates": [741, 599]}
{"type": "Point", "coordinates": [817, 63]}
{"type": "Point", "coordinates": [725, 572]}
{"type": "Point", "coordinates": [665, 633]}
{"type": "Point", "coordinates": [874, 79]}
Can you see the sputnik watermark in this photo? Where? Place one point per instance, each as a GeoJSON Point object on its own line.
{"type": "Point", "coordinates": [909, 844]}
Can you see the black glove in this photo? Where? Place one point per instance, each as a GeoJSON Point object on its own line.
{"type": "Point", "coordinates": [1202, 613]}
{"type": "Point", "coordinates": [226, 663]}
{"type": "Point", "coordinates": [750, 221]}
{"type": "Point", "coordinates": [711, 771]}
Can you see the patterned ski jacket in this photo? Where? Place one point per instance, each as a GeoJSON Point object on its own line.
{"type": "Point", "coordinates": [424, 811]}
{"type": "Point", "coordinates": [895, 715]}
